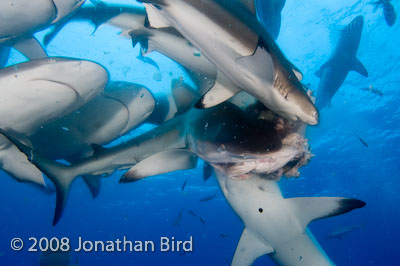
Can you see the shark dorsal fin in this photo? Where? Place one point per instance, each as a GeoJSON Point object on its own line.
{"type": "Point", "coordinates": [314, 208]}
{"type": "Point", "coordinates": [249, 249]}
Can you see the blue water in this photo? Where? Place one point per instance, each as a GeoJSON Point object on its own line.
{"type": "Point", "coordinates": [342, 166]}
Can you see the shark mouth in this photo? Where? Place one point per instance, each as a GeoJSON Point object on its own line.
{"type": "Point", "coordinates": [293, 154]}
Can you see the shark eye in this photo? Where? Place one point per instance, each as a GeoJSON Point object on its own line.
{"type": "Point", "coordinates": [260, 210]}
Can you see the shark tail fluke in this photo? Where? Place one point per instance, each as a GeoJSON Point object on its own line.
{"type": "Point", "coordinates": [60, 174]}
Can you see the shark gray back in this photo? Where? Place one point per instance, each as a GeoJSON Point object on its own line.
{"type": "Point", "coordinates": [241, 49]}
{"type": "Point", "coordinates": [343, 60]}
{"type": "Point", "coordinates": [42, 90]}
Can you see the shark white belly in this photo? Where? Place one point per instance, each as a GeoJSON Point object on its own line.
{"type": "Point", "coordinates": [277, 226]}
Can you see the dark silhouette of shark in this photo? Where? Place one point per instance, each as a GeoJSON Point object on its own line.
{"type": "Point", "coordinates": [342, 61]}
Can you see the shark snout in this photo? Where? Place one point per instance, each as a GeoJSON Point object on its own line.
{"type": "Point", "coordinates": [357, 23]}
{"type": "Point", "coordinates": [86, 78]}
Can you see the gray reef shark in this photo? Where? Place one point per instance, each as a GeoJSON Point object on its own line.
{"type": "Point", "coordinates": [230, 36]}
{"type": "Point", "coordinates": [223, 136]}
{"type": "Point", "coordinates": [277, 226]}
{"type": "Point", "coordinates": [39, 91]}
{"type": "Point", "coordinates": [342, 61]}
{"type": "Point", "coordinates": [131, 21]}
{"type": "Point", "coordinates": [388, 11]}
{"type": "Point", "coordinates": [121, 107]}
{"type": "Point", "coordinates": [20, 19]}
{"type": "Point", "coordinates": [269, 14]}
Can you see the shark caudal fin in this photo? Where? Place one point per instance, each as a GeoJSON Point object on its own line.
{"type": "Point", "coordinates": [60, 174]}
{"type": "Point", "coordinates": [314, 208]}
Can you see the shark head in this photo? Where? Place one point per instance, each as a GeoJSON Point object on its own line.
{"type": "Point", "coordinates": [244, 143]}
{"type": "Point", "coordinates": [356, 25]}
{"type": "Point", "coordinates": [46, 89]}
{"type": "Point", "coordinates": [65, 7]}
{"type": "Point", "coordinates": [237, 137]}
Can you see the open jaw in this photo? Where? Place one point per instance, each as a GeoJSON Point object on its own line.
{"type": "Point", "coordinates": [293, 154]}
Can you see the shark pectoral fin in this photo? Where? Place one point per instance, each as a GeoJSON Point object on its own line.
{"type": "Point", "coordinates": [360, 68]}
{"type": "Point", "coordinates": [318, 73]}
{"type": "Point", "coordinates": [258, 67]}
{"type": "Point", "coordinates": [222, 91]}
{"type": "Point", "coordinates": [249, 249]}
{"type": "Point", "coordinates": [15, 163]}
{"type": "Point", "coordinates": [161, 163]}
{"type": "Point", "coordinates": [94, 184]}
{"type": "Point", "coordinates": [30, 48]}
{"type": "Point", "coordinates": [183, 95]}
{"type": "Point", "coordinates": [155, 19]}
{"type": "Point", "coordinates": [310, 209]}
{"type": "Point", "coordinates": [298, 74]}
{"type": "Point", "coordinates": [58, 173]}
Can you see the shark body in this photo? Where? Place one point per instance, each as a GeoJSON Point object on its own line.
{"type": "Point", "coordinates": [343, 60]}
{"type": "Point", "coordinates": [39, 91]}
{"type": "Point", "coordinates": [230, 36]}
{"type": "Point", "coordinates": [222, 136]}
{"type": "Point", "coordinates": [22, 18]}
{"type": "Point", "coordinates": [277, 226]}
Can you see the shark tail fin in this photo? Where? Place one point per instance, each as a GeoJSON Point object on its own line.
{"type": "Point", "coordinates": [58, 173]}
{"type": "Point", "coordinates": [311, 209]}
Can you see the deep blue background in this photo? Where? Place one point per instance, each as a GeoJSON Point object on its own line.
{"type": "Point", "coordinates": [342, 166]}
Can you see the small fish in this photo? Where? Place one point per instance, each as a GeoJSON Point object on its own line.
{"type": "Point", "coordinates": [178, 218]}
{"type": "Point", "coordinates": [372, 90]}
{"type": "Point", "coordinates": [192, 213]}
{"type": "Point", "coordinates": [148, 60]}
{"type": "Point", "coordinates": [362, 141]}
{"type": "Point", "coordinates": [208, 198]}
{"type": "Point", "coordinates": [202, 220]}
{"type": "Point", "coordinates": [388, 11]}
{"type": "Point", "coordinates": [184, 185]}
